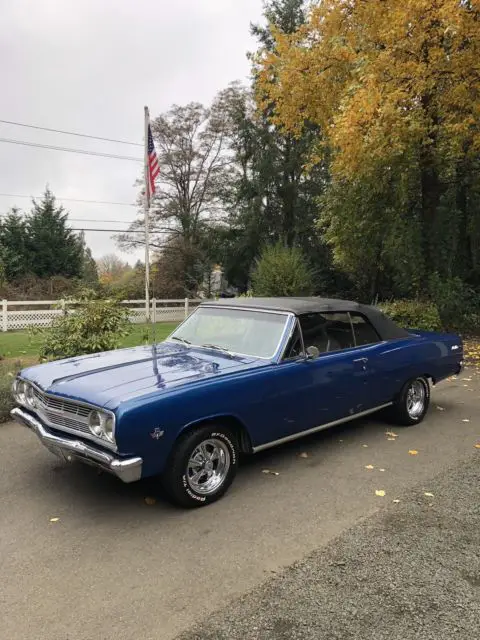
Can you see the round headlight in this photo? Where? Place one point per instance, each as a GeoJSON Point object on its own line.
{"type": "Point", "coordinates": [108, 428]}
{"type": "Point", "coordinates": [95, 423]}
{"type": "Point", "coordinates": [19, 388]}
{"type": "Point", "coordinates": [30, 395]}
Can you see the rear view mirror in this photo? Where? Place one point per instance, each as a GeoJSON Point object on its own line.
{"type": "Point", "coordinates": [312, 352]}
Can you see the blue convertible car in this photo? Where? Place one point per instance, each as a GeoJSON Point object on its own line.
{"type": "Point", "coordinates": [237, 376]}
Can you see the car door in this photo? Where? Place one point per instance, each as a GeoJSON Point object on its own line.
{"type": "Point", "coordinates": [339, 375]}
{"type": "Point", "coordinates": [387, 362]}
{"type": "Point", "coordinates": [304, 393]}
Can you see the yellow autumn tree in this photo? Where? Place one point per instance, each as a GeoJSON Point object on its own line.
{"type": "Point", "coordinates": [386, 80]}
{"type": "Point", "coordinates": [381, 74]}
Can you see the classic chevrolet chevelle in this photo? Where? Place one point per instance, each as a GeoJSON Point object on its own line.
{"type": "Point", "coordinates": [237, 376]}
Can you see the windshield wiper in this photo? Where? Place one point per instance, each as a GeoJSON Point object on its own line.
{"type": "Point", "coordinates": [218, 348]}
{"type": "Point", "coordinates": [180, 339]}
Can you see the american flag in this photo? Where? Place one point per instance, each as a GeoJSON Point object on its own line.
{"type": "Point", "coordinates": [153, 166]}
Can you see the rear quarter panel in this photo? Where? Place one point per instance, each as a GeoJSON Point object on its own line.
{"type": "Point", "coordinates": [392, 363]}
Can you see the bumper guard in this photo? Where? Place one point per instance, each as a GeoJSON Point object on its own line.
{"type": "Point", "coordinates": [127, 469]}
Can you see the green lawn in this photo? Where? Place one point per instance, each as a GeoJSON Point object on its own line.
{"type": "Point", "coordinates": [18, 344]}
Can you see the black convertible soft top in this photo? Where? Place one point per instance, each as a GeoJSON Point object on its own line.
{"type": "Point", "coordinates": [386, 328]}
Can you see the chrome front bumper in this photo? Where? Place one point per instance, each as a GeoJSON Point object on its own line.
{"type": "Point", "coordinates": [128, 470]}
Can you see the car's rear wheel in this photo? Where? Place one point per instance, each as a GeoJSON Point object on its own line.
{"type": "Point", "coordinates": [412, 403]}
{"type": "Point", "coordinates": [202, 466]}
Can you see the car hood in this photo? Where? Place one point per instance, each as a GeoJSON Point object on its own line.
{"type": "Point", "coordinates": [109, 378]}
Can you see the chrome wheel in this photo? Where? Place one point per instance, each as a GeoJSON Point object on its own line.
{"type": "Point", "coordinates": [416, 398]}
{"type": "Point", "coordinates": [208, 466]}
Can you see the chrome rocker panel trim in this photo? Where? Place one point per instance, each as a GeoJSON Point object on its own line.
{"type": "Point", "coordinates": [321, 427]}
{"type": "Point", "coordinates": [128, 470]}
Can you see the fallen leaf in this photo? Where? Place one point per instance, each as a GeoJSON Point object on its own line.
{"type": "Point", "coordinates": [413, 452]}
{"type": "Point", "coordinates": [391, 439]}
{"type": "Point", "coordinates": [477, 446]}
{"type": "Point", "coordinates": [273, 473]}
{"type": "Point", "coordinates": [369, 466]}
{"type": "Point", "coordinates": [391, 434]}
{"type": "Point", "coordinates": [465, 420]}
{"type": "Point", "coordinates": [365, 445]}
{"type": "Point", "coordinates": [340, 440]}
{"type": "Point", "coordinates": [381, 469]}
{"type": "Point", "coordinates": [380, 493]}
{"type": "Point", "coordinates": [54, 519]}
{"type": "Point", "coordinates": [303, 455]}
{"type": "Point", "coordinates": [428, 494]}
{"type": "Point", "coordinates": [396, 501]}
{"type": "Point", "coordinates": [466, 379]}
{"type": "Point", "coordinates": [150, 501]}
{"type": "Point", "coordinates": [440, 408]}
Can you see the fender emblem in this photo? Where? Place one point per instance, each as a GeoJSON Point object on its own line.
{"type": "Point", "coordinates": [157, 433]}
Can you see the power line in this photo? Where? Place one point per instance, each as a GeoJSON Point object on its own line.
{"type": "Point", "coordinates": [81, 151]}
{"type": "Point", "coordinates": [71, 133]}
{"type": "Point", "coordinates": [123, 204]}
{"type": "Point", "coordinates": [5, 215]}
{"type": "Point", "coordinates": [111, 230]}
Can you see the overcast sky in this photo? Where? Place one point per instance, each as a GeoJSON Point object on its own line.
{"type": "Point", "coordinates": [90, 66]}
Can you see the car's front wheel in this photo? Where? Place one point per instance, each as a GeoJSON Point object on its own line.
{"type": "Point", "coordinates": [202, 466]}
{"type": "Point", "coordinates": [412, 403]}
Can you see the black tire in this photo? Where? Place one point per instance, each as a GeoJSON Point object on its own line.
{"type": "Point", "coordinates": [408, 410]}
{"type": "Point", "coordinates": [178, 477]}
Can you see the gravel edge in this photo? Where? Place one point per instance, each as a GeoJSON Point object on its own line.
{"type": "Point", "coordinates": [411, 571]}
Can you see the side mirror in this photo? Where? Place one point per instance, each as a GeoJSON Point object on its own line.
{"type": "Point", "coordinates": [312, 352]}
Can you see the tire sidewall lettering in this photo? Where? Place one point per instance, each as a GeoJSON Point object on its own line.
{"type": "Point", "coordinates": [427, 390]}
{"type": "Point", "coordinates": [190, 493]}
{"type": "Point", "coordinates": [226, 439]}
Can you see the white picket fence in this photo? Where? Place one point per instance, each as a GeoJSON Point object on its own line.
{"type": "Point", "coordinates": [22, 314]}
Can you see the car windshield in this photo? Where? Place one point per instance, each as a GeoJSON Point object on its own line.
{"type": "Point", "coordinates": [246, 332]}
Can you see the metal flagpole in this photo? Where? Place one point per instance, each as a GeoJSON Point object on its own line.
{"type": "Point", "coordinates": [146, 207]}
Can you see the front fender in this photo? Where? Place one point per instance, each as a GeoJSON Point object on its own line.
{"type": "Point", "coordinates": [151, 431]}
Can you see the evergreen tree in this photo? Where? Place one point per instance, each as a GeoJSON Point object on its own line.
{"type": "Point", "coordinates": [54, 248]}
{"type": "Point", "coordinates": [14, 246]}
{"type": "Point", "coordinates": [275, 197]}
{"type": "Point", "coordinates": [89, 266]}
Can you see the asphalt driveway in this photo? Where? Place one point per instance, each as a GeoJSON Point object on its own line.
{"type": "Point", "coordinates": [113, 566]}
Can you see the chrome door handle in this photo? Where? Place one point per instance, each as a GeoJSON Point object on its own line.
{"type": "Point", "coordinates": [364, 360]}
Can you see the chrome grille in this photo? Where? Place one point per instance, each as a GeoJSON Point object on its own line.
{"type": "Point", "coordinates": [62, 413]}
{"type": "Point", "coordinates": [58, 404]}
{"type": "Point", "coordinates": [59, 420]}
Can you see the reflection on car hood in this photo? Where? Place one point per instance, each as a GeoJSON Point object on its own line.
{"type": "Point", "coordinates": [108, 378]}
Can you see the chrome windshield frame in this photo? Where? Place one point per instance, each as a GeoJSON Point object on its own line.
{"type": "Point", "coordinates": [281, 343]}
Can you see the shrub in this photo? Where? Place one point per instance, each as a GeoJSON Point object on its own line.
{"type": "Point", "coordinates": [7, 373]}
{"type": "Point", "coordinates": [458, 304]}
{"type": "Point", "coordinates": [281, 271]}
{"type": "Point", "coordinates": [413, 314]}
{"type": "Point", "coordinates": [97, 325]}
